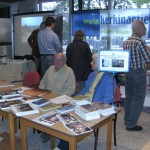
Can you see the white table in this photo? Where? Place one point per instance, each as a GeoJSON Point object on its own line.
{"type": "Point", "coordinates": [15, 70]}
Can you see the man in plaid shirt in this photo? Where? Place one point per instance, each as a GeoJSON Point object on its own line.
{"type": "Point", "coordinates": [135, 87]}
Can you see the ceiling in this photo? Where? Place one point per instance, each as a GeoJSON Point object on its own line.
{"type": "Point", "coordinates": [9, 1]}
{"type": "Point", "coordinates": [6, 3]}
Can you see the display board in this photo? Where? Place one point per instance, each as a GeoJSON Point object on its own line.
{"type": "Point", "coordinates": [24, 24]}
{"type": "Point", "coordinates": [87, 21]}
{"type": "Point", "coordinates": [113, 61]}
{"type": "Point", "coordinates": [114, 26]}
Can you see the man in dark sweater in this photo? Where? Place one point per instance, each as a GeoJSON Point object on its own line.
{"type": "Point", "coordinates": [79, 57]}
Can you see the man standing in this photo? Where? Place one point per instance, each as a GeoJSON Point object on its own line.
{"type": "Point", "coordinates": [32, 41]}
{"type": "Point", "coordinates": [49, 44]}
{"type": "Point", "coordinates": [135, 86]}
{"type": "Point", "coordinates": [79, 57]}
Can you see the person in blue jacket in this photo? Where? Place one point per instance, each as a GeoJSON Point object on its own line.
{"type": "Point", "coordinates": [104, 88]}
{"type": "Point", "coordinates": [99, 86]}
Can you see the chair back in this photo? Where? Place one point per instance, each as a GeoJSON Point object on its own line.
{"type": "Point", "coordinates": [117, 97]}
{"type": "Point", "coordinates": [31, 79]}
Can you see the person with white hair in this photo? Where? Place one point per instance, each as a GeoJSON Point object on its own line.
{"type": "Point", "coordinates": [135, 86]}
{"type": "Point", "coordinates": [98, 87]}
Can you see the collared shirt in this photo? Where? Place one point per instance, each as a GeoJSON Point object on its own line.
{"type": "Point", "coordinates": [61, 81]}
{"type": "Point", "coordinates": [48, 42]}
{"type": "Point", "coordinates": [139, 55]}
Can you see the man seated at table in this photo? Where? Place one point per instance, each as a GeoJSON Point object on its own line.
{"type": "Point", "coordinates": [98, 87]}
{"type": "Point", "coordinates": [60, 79]}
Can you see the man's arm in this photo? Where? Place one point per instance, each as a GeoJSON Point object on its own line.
{"type": "Point", "coordinates": [43, 82]}
{"type": "Point", "coordinates": [57, 44]}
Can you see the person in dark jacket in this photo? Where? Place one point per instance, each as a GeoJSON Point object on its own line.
{"type": "Point", "coordinates": [32, 41]}
{"type": "Point", "coordinates": [79, 57]}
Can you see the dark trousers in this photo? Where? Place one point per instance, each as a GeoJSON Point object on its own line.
{"type": "Point", "coordinates": [63, 145]}
{"type": "Point", "coordinates": [135, 89]}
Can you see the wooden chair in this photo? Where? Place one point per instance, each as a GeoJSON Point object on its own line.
{"type": "Point", "coordinates": [117, 102]}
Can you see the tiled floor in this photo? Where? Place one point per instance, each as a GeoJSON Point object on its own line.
{"type": "Point", "coordinates": [126, 140]}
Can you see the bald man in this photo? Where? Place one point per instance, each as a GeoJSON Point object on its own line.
{"type": "Point", "coordinates": [135, 86]}
{"type": "Point", "coordinates": [59, 78]}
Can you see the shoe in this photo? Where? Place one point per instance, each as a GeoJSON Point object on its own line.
{"type": "Point", "coordinates": [136, 128]}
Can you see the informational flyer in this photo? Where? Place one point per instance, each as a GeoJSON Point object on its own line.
{"type": "Point", "coordinates": [113, 60]}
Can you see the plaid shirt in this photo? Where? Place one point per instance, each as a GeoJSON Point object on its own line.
{"type": "Point", "coordinates": [139, 55]}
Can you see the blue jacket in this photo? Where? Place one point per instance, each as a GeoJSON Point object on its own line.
{"type": "Point", "coordinates": [104, 88]}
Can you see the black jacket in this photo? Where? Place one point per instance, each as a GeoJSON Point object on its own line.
{"type": "Point", "coordinates": [79, 57]}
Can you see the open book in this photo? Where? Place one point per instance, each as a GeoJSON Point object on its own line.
{"type": "Point", "coordinates": [24, 109]}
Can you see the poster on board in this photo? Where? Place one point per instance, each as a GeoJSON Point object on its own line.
{"type": "Point", "coordinates": [113, 60]}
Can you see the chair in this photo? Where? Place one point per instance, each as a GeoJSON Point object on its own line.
{"type": "Point", "coordinates": [117, 102]}
{"type": "Point", "coordinates": [31, 79]}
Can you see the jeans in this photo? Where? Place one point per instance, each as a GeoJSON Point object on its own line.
{"type": "Point", "coordinates": [135, 89]}
{"type": "Point", "coordinates": [37, 63]}
{"type": "Point", "coordinates": [46, 62]}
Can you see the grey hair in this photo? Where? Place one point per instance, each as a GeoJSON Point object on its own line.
{"type": "Point", "coordinates": [95, 56]}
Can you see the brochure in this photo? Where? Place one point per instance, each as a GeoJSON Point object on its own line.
{"type": "Point", "coordinates": [24, 109]}
{"type": "Point", "coordinates": [73, 124]}
{"type": "Point", "coordinates": [48, 119]}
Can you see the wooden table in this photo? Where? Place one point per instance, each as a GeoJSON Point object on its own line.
{"type": "Point", "coordinates": [12, 127]}
{"type": "Point", "coordinates": [12, 118]}
{"type": "Point", "coordinates": [59, 131]}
